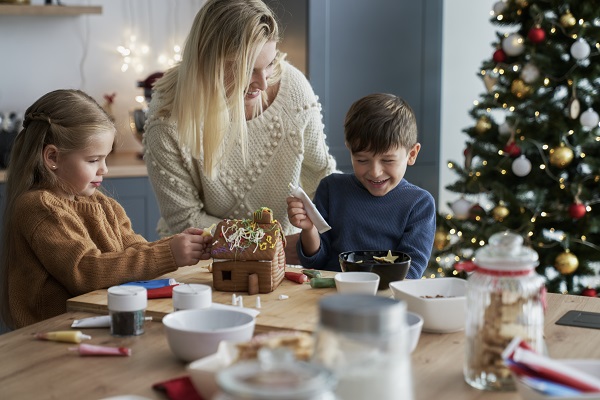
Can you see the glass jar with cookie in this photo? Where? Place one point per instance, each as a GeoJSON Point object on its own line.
{"type": "Point", "coordinates": [506, 299]}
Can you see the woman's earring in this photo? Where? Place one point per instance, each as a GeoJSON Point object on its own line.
{"type": "Point", "coordinates": [53, 167]}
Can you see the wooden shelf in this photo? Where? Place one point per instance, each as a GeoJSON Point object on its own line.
{"type": "Point", "coordinates": [18, 9]}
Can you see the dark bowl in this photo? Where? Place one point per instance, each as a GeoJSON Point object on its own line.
{"type": "Point", "coordinates": [362, 260]}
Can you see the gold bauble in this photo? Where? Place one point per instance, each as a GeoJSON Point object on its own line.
{"type": "Point", "coordinates": [500, 212]}
{"type": "Point", "coordinates": [561, 156]}
{"type": "Point", "coordinates": [441, 239]}
{"type": "Point", "coordinates": [566, 263]}
{"type": "Point", "coordinates": [520, 88]}
{"type": "Point", "coordinates": [483, 125]}
{"type": "Point", "coordinates": [522, 3]}
{"type": "Point", "coordinates": [567, 20]}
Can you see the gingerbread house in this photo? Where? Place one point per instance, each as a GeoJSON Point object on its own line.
{"type": "Point", "coordinates": [248, 254]}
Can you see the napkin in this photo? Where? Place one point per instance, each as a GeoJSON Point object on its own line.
{"type": "Point", "coordinates": [180, 388]}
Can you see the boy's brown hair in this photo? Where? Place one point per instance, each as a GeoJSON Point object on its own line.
{"type": "Point", "coordinates": [379, 122]}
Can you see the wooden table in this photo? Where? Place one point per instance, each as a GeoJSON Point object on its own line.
{"type": "Point", "coordinates": [44, 370]}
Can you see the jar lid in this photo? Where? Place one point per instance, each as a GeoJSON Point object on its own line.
{"type": "Point", "coordinates": [362, 313]}
{"type": "Point", "coordinates": [275, 375]}
{"type": "Point", "coordinates": [127, 298]}
{"type": "Point", "coordinates": [505, 252]}
{"type": "Point", "coordinates": [192, 295]}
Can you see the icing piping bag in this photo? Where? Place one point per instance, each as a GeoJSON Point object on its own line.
{"type": "Point", "coordinates": [63, 336]}
{"type": "Point", "coordinates": [312, 212]}
{"type": "Point", "coordinates": [95, 350]}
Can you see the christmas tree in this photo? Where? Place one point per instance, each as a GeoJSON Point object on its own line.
{"type": "Point", "coordinates": [532, 156]}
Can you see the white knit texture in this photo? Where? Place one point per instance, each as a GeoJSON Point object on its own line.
{"type": "Point", "coordinates": [286, 145]}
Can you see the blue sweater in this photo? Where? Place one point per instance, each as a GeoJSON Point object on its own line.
{"type": "Point", "coordinates": [403, 220]}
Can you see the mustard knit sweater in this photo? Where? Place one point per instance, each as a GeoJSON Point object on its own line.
{"type": "Point", "coordinates": [64, 248]}
{"type": "Point", "coordinates": [286, 144]}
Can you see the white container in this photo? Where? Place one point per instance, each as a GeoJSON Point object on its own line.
{"type": "Point", "coordinates": [364, 340]}
{"type": "Point", "coordinates": [127, 309]}
{"type": "Point", "coordinates": [357, 282]}
{"type": "Point", "coordinates": [189, 296]}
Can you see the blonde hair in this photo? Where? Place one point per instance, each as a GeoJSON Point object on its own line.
{"type": "Point", "coordinates": [67, 119]}
{"type": "Point", "coordinates": [204, 93]}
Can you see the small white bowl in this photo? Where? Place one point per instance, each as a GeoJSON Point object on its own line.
{"type": "Point", "coordinates": [357, 282]}
{"type": "Point", "coordinates": [591, 367]}
{"type": "Point", "coordinates": [193, 334]}
{"type": "Point", "coordinates": [442, 302]}
{"type": "Point", "coordinates": [415, 324]}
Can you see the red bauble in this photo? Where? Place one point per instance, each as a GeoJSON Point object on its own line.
{"type": "Point", "coordinates": [577, 210]}
{"type": "Point", "coordinates": [590, 292]}
{"type": "Point", "coordinates": [536, 35]}
{"type": "Point", "coordinates": [512, 150]}
{"type": "Point", "coordinates": [499, 56]}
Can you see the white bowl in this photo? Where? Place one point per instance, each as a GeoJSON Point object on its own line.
{"type": "Point", "coordinates": [415, 325]}
{"type": "Point", "coordinates": [591, 367]}
{"type": "Point", "coordinates": [193, 334]}
{"type": "Point", "coordinates": [357, 282]}
{"type": "Point", "coordinates": [203, 371]}
{"type": "Point", "coordinates": [441, 302]}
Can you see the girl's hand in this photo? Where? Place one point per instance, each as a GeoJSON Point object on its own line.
{"type": "Point", "coordinates": [190, 246]}
{"type": "Point", "coordinates": [297, 214]}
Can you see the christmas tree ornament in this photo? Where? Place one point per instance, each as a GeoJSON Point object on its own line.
{"type": "Point", "coordinates": [530, 73]}
{"type": "Point", "coordinates": [441, 239]}
{"type": "Point", "coordinates": [561, 156]}
{"type": "Point", "coordinates": [499, 7]}
{"type": "Point", "coordinates": [520, 89]}
{"type": "Point", "coordinates": [499, 56]}
{"type": "Point", "coordinates": [536, 35]}
{"type": "Point", "coordinates": [590, 292]}
{"type": "Point", "coordinates": [512, 149]}
{"type": "Point", "coordinates": [522, 3]}
{"type": "Point", "coordinates": [499, 213]}
{"type": "Point", "coordinates": [468, 153]}
{"type": "Point", "coordinates": [521, 166]}
{"type": "Point", "coordinates": [476, 212]}
{"type": "Point", "coordinates": [461, 207]}
{"type": "Point", "coordinates": [577, 210]}
{"type": "Point", "coordinates": [589, 118]}
{"type": "Point", "coordinates": [566, 262]}
{"type": "Point", "coordinates": [513, 45]}
{"type": "Point", "coordinates": [483, 125]}
{"type": "Point", "coordinates": [580, 49]}
{"type": "Point", "coordinates": [567, 20]}
{"type": "Point", "coordinates": [574, 107]}
{"type": "Point", "coordinates": [505, 129]}
{"type": "Point", "coordinates": [489, 82]}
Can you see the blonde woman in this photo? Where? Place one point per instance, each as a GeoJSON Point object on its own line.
{"type": "Point", "coordinates": [233, 124]}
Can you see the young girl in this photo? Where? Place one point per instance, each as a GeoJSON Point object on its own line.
{"type": "Point", "coordinates": [62, 237]}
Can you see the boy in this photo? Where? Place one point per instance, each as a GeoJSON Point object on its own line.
{"type": "Point", "coordinates": [374, 208]}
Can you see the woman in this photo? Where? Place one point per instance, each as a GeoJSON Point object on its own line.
{"type": "Point", "coordinates": [233, 124]}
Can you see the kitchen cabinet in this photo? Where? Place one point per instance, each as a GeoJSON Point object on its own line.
{"type": "Point", "coordinates": [55, 10]}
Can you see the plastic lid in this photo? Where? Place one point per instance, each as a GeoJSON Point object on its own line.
{"type": "Point", "coordinates": [358, 313]}
{"type": "Point", "coordinates": [127, 298]}
{"type": "Point", "coordinates": [186, 296]}
{"type": "Point", "coordinates": [275, 375]}
{"type": "Point", "coordinates": [505, 252]}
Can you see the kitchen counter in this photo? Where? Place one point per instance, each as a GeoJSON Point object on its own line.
{"type": "Point", "coordinates": [120, 165]}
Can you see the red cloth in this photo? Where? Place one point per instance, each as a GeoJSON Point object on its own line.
{"type": "Point", "coordinates": [180, 388]}
{"type": "Point", "coordinates": [160, 293]}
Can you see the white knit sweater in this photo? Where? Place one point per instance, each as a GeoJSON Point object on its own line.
{"type": "Point", "coordinates": [286, 145]}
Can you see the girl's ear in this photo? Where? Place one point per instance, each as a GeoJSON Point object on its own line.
{"type": "Point", "coordinates": [413, 153]}
{"type": "Point", "coordinates": [50, 154]}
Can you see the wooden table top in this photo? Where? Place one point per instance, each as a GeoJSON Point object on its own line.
{"type": "Point", "coordinates": [38, 369]}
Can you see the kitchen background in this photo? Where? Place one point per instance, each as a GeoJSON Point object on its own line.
{"type": "Point", "coordinates": [106, 55]}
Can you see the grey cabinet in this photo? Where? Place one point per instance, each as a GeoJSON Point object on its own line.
{"type": "Point", "coordinates": [351, 48]}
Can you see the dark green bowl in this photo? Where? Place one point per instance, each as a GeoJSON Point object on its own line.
{"type": "Point", "coordinates": [362, 260]}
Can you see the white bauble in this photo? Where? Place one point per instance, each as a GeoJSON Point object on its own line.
{"type": "Point", "coordinates": [499, 7]}
{"type": "Point", "coordinates": [589, 118]}
{"type": "Point", "coordinates": [461, 208]}
{"type": "Point", "coordinates": [505, 129]}
{"type": "Point", "coordinates": [580, 50]}
{"type": "Point", "coordinates": [530, 73]}
{"type": "Point", "coordinates": [521, 166]}
{"type": "Point", "coordinates": [513, 44]}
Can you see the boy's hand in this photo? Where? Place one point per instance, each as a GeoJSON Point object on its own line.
{"type": "Point", "coordinates": [190, 246]}
{"type": "Point", "coordinates": [297, 214]}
